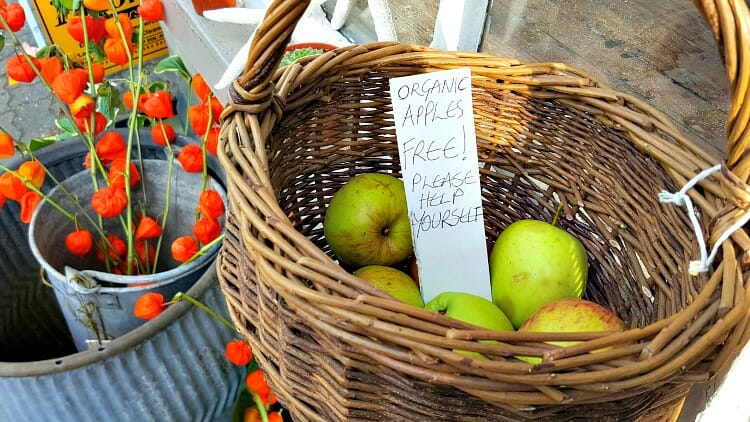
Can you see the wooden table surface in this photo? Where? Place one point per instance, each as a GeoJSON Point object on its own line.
{"type": "Point", "coordinates": [660, 50]}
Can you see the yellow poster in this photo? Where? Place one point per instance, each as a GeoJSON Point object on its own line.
{"type": "Point", "coordinates": [56, 33]}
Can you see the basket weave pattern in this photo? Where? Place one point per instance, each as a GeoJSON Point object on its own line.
{"type": "Point", "coordinates": [335, 348]}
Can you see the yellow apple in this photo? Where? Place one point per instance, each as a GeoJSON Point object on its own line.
{"type": "Point", "coordinates": [394, 282]}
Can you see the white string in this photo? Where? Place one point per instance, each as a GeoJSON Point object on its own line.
{"type": "Point", "coordinates": [681, 198]}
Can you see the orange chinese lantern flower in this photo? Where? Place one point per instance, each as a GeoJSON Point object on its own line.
{"type": "Point", "coordinates": [206, 229]}
{"type": "Point", "coordinates": [251, 414]}
{"type": "Point", "coordinates": [162, 133]}
{"type": "Point", "coordinates": [115, 247]}
{"type": "Point", "coordinates": [100, 122]}
{"type": "Point", "coordinates": [2, 200]}
{"type": "Point", "coordinates": [29, 201]}
{"type": "Point", "coordinates": [183, 248]}
{"type": "Point", "coordinates": [97, 70]}
{"type": "Point", "coordinates": [238, 352]}
{"type": "Point", "coordinates": [33, 172]}
{"type": "Point", "coordinates": [110, 26]}
{"type": "Point", "coordinates": [274, 417]}
{"type": "Point", "coordinates": [94, 28]}
{"type": "Point", "coordinates": [20, 70]}
{"type": "Point", "coordinates": [127, 99]}
{"type": "Point", "coordinates": [210, 204]}
{"type": "Point", "coordinates": [151, 10]}
{"type": "Point", "coordinates": [79, 242]}
{"type": "Point", "coordinates": [146, 253]}
{"type": "Point", "coordinates": [149, 306]}
{"type": "Point", "coordinates": [74, 26]}
{"type": "Point", "coordinates": [256, 383]}
{"type": "Point", "coordinates": [110, 147]}
{"type": "Point", "coordinates": [14, 15]}
{"type": "Point", "coordinates": [158, 105]}
{"type": "Point", "coordinates": [83, 75]}
{"type": "Point", "coordinates": [109, 201]}
{"type": "Point", "coordinates": [82, 107]}
{"type": "Point", "coordinates": [68, 86]}
{"type": "Point", "coordinates": [51, 67]}
{"type": "Point", "coordinates": [216, 109]}
{"type": "Point", "coordinates": [191, 158]}
{"type": "Point", "coordinates": [117, 173]}
{"type": "Point", "coordinates": [96, 5]}
{"type": "Point", "coordinates": [198, 116]}
{"type": "Point", "coordinates": [117, 51]}
{"type": "Point", "coordinates": [148, 228]}
{"type": "Point", "coordinates": [200, 87]}
{"type": "Point", "coordinates": [212, 140]}
{"type": "Point", "coordinates": [7, 145]}
{"type": "Point", "coordinates": [12, 187]}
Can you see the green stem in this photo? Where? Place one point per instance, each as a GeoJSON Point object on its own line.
{"type": "Point", "coordinates": [204, 308]}
{"type": "Point", "coordinates": [202, 251]}
{"type": "Point", "coordinates": [170, 168]}
{"type": "Point", "coordinates": [557, 214]}
{"type": "Point", "coordinates": [260, 405]}
{"type": "Point", "coordinates": [187, 110]}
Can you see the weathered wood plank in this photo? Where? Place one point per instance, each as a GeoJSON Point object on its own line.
{"type": "Point", "coordinates": [660, 51]}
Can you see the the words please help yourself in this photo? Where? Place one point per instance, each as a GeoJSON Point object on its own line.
{"type": "Point", "coordinates": [437, 149]}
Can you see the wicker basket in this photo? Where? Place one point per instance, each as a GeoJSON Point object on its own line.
{"type": "Point", "coordinates": [335, 348]}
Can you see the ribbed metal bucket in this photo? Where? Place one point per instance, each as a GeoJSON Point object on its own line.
{"type": "Point", "coordinates": [97, 305]}
{"type": "Point", "coordinates": [171, 368]}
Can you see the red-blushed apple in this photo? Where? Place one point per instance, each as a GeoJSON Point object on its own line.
{"type": "Point", "coordinates": [473, 309]}
{"type": "Point", "coordinates": [570, 316]}
{"type": "Point", "coordinates": [394, 282]}
{"type": "Point", "coordinates": [367, 221]}
{"type": "Point", "coordinates": [534, 263]}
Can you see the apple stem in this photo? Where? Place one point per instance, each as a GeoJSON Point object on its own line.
{"type": "Point", "coordinates": [557, 214]}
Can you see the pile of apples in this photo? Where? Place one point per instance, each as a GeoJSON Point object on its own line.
{"type": "Point", "coordinates": [538, 271]}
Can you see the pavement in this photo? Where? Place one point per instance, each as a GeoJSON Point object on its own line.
{"type": "Point", "coordinates": [26, 110]}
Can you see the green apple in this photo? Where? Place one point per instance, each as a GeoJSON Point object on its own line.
{"type": "Point", "coordinates": [394, 282]}
{"type": "Point", "coordinates": [570, 316]}
{"type": "Point", "coordinates": [473, 309]}
{"type": "Point", "coordinates": [532, 264]}
{"type": "Point", "coordinates": [367, 222]}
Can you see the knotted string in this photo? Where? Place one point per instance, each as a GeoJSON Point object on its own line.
{"type": "Point", "coordinates": [681, 198]}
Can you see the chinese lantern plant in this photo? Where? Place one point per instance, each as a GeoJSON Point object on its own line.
{"type": "Point", "coordinates": [255, 401]}
{"type": "Point", "coordinates": [91, 104]}
{"type": "Point", "coordinates": [122, 232]}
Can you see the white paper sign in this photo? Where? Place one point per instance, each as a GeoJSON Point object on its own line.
{"type": "Point", "coordinates": [437, 147]}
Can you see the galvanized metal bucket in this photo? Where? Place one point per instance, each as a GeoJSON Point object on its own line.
{"type": "Point", "coordinates": [98, 305]}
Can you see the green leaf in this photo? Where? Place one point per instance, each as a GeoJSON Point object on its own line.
{"type": "Point", "coordinates": [37, 143]}
{"type": "Point", "coordinates": [243, 401]}
{"type": "Point", "coordinates": [158, 86]}
{"type": "Point", "coordinates": [109, 102]}
{"type": "Point", "coordinates": [67, 126]}
{"type": "Point", "coordinates": [173, 64]}
{"type": "Point", "coordinates": [2, 41]}
{"type": "Point", "coordinates": [45, 52]}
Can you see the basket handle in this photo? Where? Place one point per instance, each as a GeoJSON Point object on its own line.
{"type": "Point", "coordinates": [267, 47]}
{"type": "Point", "coordinates": [729, 21]}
